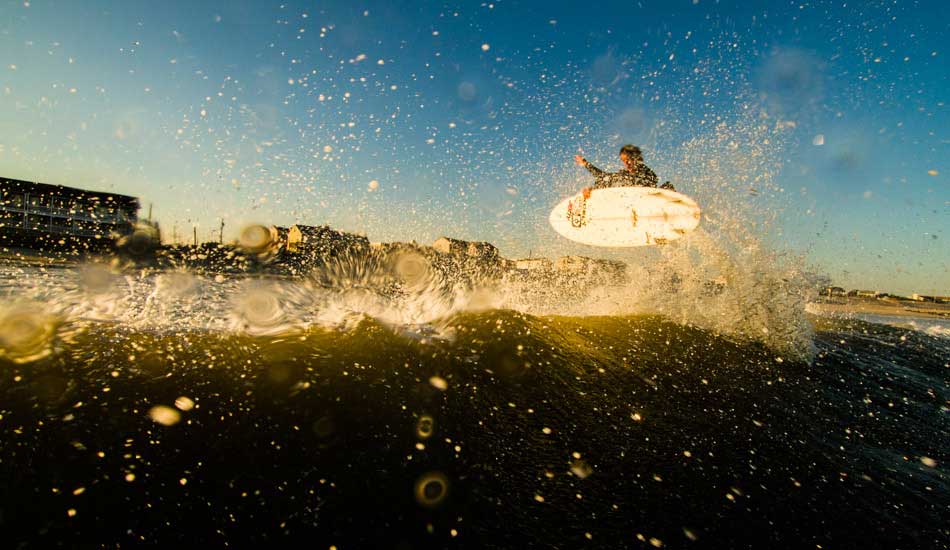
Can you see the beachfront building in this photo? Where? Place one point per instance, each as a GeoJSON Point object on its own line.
{"type": "Point", "coordinates": [925, 298]}
{"type": "Point", "coordinates": [474, 249]}
{"type": "Point", "coordinates": [322, 240]}
{"type": "Point", "coordinates": [834, 291]}
{"type": "Point", "coordinates": [42, 216]}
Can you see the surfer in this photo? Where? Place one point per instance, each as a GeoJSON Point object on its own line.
{"type": "Point", "coordinates": [635, 172]}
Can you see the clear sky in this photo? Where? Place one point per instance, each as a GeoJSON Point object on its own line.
{"type": "Point", "coordinates": [825, 122]}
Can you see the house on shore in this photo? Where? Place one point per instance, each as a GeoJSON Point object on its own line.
{"type": "Point", "coordinates": [45, 217]}
{"type": "Point", "coordinates": [321, 240]}
{"type": "Point", "coordinates": [472, 249]}
{"type": "Point", "coordinates": [935, 299]}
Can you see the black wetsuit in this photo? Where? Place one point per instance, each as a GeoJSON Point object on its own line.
{"type": "Point", "coordinates": [642, 177]}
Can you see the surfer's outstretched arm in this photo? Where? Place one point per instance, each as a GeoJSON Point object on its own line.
{"type": "Point", "coordinates": [600, 181]}
{"type": "Point", "coordinates": [581, 161]}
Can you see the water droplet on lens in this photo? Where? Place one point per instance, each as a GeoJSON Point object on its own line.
{"type": "Point", "coordinates": [439, 383]}
{"type": "Point", "coordinates": [324, 427]}
{"type": "Point", "coordinates": [467, 91]}
{"type": "Point", "coordinates": [581, 469]}
{"type": "Point", "coordinates": [166, 416]}
{"type": "Point", "coordinates": [256, 239]}
{"type": "Point", "coordinates": [259, 311]}
{"type": "Point", "coordinates": [184, 403]}
{"type": "Point", "coordinates": [26, 332]}
{"type": "Point", "coordinates": [425, 427]}
{"type": "Point", "coordinates": [412, 269]}
{"type": "Point", "coordinates": [431, 489]}
{"type": "Point", "coordinates": [176, 284]}
{"type": "Point", "coordinates": [96, 278]}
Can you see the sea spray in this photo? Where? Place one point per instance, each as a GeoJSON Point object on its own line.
{"type": "Point", "coordinates": [419, 292]}
{"type": "Point", "coordinates": [728, 275]}
{"type": "Point", "coordinates": [725, 276]}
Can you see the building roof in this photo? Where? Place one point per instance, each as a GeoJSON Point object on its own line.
{"type": "Point", "coordinates": [62, 190]}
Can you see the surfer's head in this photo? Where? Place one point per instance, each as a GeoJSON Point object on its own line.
{"type": "Point", "coordinates": [631, 156]}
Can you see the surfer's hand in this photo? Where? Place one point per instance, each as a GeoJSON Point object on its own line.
{"type": "Point", "coordinates": [586, 192]}
{"type": "Point", "coordinates": [579, 160]}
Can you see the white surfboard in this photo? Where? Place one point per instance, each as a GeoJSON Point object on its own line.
{"type": "Point", "coordinates": [626, 216]}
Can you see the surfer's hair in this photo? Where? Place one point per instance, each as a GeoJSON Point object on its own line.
{"type": "Point", "coordinates": [632, 150]}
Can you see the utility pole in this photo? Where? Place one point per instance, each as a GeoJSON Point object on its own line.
{"type": "Point", "coordinates": [194, 228]}
{"type": "Point", "coordinates": [149, 213]}
{"type": "Point", "coordinates": [175, 233]}
{"type": "Point", "coordinates": [221, 232]}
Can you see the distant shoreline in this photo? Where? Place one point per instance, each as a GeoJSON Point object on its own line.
{"type": "Point", "coordinates": [902, 308]}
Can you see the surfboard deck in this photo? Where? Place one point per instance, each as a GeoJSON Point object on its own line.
{"type": "Point", "coordinates": [626, 216]}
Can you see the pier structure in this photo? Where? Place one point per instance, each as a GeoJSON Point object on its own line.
{"type": "Point", "coordinates": [42, 216]}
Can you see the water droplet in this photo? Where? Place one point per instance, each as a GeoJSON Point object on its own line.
{"type": "Point", "coordinates": [166, 416]}
{"type": "Point", "coordinates": [324, 427]}
{"type": "Point", "coordinates": [176, 284]}
{"type": "Point", "coordinates": [184, 403]}
{"type": "Point", "coordinates": [258, 310]}
{"type": "Point", "coordinates": [412, 269]}
{"type": "Point", "coordinates": [581, 469]}
{"type": "Point", "coordinates": [467, 91]}
{"type": "Point", "coordinates": [26, 332]}
{"type": "Point", "coordinates": [425, 427]}
{"type": "Point", "coordinates": [439, 383]}
{"type": "Point", "coordinates": [431, 489]}
{"type": "Point", "coordinates": [97, 278]}
{"type": "Point", "coordinates": [256, 239]}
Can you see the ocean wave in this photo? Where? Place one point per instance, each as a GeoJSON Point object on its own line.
{"type": "Point", "coordinates": [411, 293]}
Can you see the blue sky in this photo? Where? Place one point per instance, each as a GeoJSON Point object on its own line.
{"type": "Point", "coordinates": [824, 124]}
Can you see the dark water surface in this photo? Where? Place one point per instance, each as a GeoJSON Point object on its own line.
{"type": "Point", "coordinates": [540, 432]}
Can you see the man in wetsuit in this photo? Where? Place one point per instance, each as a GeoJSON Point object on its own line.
{"type": "Point", "coordinates": [635, 172]}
